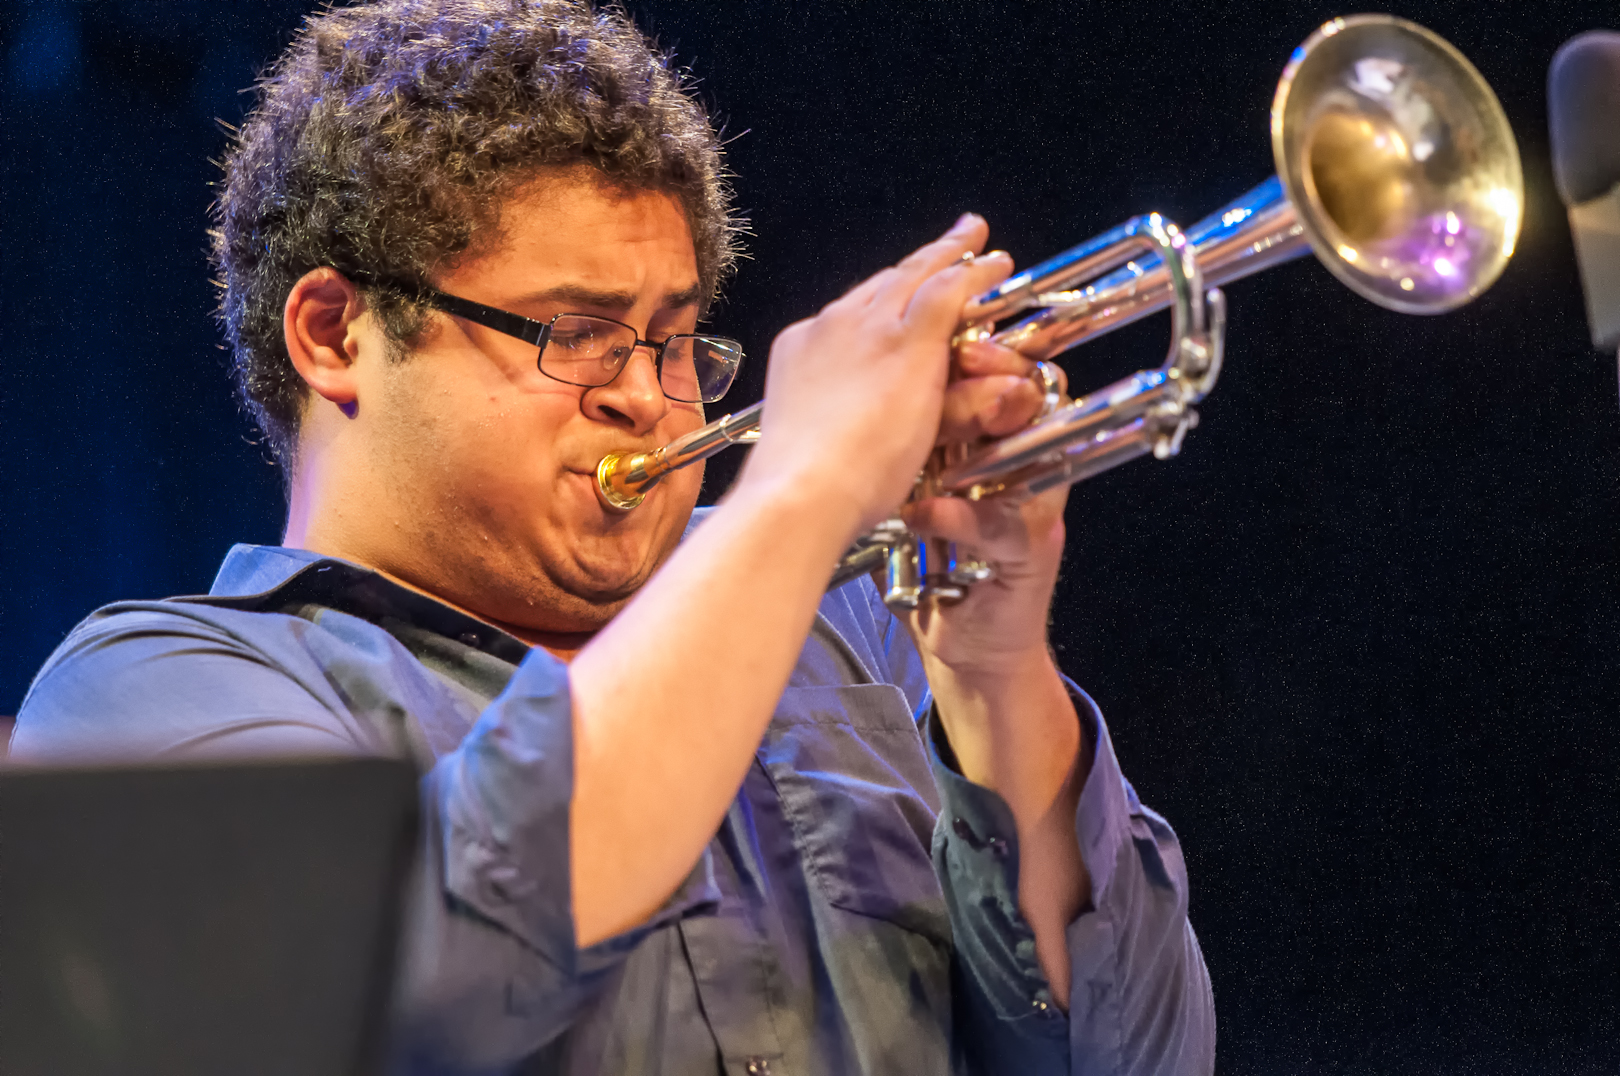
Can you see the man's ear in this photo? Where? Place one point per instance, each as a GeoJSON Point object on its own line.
{"type": "Point", "coordinates": [316, 323]}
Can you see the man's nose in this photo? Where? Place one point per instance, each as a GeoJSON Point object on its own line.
{"type": "Point", "coordinates": [634, 401]}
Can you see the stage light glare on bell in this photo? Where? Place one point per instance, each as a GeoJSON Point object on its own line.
{"type": "Point", "coordinates": [1390, 144]}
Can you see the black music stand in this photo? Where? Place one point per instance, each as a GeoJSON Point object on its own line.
{"type": "Point", "coordinates": [201, 919]}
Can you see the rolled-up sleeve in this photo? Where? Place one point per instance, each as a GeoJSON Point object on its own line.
{"type": "Point", "coordinates": [1140, 1000]}
{"type": "Point", "coordinates": [493, 971]}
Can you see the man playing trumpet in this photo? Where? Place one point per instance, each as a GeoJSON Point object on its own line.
{"type": "Point", "coordinates": [687, 813]}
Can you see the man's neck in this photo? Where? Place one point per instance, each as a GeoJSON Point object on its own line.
{"type": "Point", "coordinates": [562, 645]}
{"type": "Point", "coordinates": [308, 527]}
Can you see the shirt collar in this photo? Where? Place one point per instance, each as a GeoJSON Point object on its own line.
{"type": "Point", "coordinates": [278, 579]}
{"type": "Point", "coordinates": [253, 569]}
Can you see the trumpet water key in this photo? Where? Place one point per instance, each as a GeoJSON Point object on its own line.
{"type": "Point", "coordinates": [1395, 166]}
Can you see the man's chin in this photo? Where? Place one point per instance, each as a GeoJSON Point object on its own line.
{"type": "Point", "coordinates": [586, 594]}
{"type": "Point", "coordinates": [585, 578]}
{"type": "Point", "coordinates": [602, 594]}
{"type": "Point", "coordinates": [571, 608]}
{"type": "Point", "coordinates": [610, 567]}
{"type": "Point", "coordinates": [603, 584]}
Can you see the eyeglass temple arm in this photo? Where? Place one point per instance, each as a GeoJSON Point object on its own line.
{"type": "Point", "coordinates": [526, 329]}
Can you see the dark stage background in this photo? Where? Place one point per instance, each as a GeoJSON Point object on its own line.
{"type": "Point", "coordinates": [1358, 642]}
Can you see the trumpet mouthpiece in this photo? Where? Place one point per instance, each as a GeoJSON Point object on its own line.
{"type": "Point", "coordinates": [616, 480]}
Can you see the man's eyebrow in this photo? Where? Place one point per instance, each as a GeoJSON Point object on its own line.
{"type": "Point", "coordinates": [685, 297]}
{"type": "Point", "coordinates": [583, 295]}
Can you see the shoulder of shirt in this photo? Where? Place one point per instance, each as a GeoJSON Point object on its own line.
{"type": "Point", "coordinates": [95, 642]}
{"type": "Point", "coordinates": [180, 615]}
{"type": "Point", "coordinates": [143, 678]}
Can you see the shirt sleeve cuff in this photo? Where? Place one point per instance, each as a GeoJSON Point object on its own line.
{"type": "Point", "coordinates": [976, 857]}
{"type": "Point", "coordinates": [1102, 817]}
{"type": "Point", "coordinates": [976, 853]}
{"type": "Point", "coordinates": [1139, 997]}
{"type": "Point", "coordinates": [980, 818]}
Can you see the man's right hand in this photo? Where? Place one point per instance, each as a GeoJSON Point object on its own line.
{"type": "Point", "coordinates": [671, 698]}
{"type": "Point", "coordinates": [854, 395]}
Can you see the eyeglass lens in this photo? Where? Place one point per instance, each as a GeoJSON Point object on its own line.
{"type": "Point", "coordinates": [590, 351]}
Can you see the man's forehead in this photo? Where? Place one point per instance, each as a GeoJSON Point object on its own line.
{"type": "Point", "coordinates": [570, 239]}
{"type": "Point", "coordinates": [579, 202]}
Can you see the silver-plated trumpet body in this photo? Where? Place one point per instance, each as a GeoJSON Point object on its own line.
{"type": "Point", "coordinates": [1395, 167]}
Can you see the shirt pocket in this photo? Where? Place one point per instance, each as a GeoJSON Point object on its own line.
{"type": "Point", "coordinates": [854, 780]}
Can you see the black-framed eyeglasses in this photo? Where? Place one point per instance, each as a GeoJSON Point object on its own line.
{"type": "Point", "coordinates": [581, 349]}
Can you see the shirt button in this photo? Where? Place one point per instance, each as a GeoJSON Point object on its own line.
{"type": "Point", "coordinates": [758, 1066]}
{"type": "Point", "coordinates": [997, 846]}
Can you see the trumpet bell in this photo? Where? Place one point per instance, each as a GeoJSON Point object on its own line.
{"type": "Point", "coordinates": [1400, 163]}
{"type": "Point", "coordinates": [1395, 165]}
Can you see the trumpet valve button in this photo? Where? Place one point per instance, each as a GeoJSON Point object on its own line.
{"type": "Point", "coordinates": [942, 590]}
{"type": "Point", "coordinates": [969, 571]}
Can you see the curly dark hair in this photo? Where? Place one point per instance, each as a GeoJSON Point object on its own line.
{"type": "Point", "coordinates": [385, 138]}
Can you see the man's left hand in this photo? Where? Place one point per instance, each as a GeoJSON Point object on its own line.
{"type": "Point", "coordinates": [998, 694]}
{"type": "Point", "coordinates": [1002, 621]}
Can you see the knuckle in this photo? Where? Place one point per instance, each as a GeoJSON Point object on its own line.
{"type": "Point", "coordinates": [795, 335]}
{"type": "Point", "coordinates": [886, 274]}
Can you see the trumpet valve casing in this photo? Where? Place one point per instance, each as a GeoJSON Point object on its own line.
{"type": "Point", "coordinates": [903, 582]}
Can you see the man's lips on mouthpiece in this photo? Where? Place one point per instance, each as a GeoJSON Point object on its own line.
{"type": "Point", "coordinates": [587, 464]}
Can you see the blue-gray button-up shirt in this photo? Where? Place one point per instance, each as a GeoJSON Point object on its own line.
{"type": "Point", "coordinates": [855, 913]}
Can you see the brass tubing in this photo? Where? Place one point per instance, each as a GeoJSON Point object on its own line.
{"type": "Point", "coordinates": [1262, 230]}
{"type": "Point", "coordinates": [1079, 421]}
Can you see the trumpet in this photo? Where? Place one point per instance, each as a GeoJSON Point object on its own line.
{"type": "Point", "coordinates": [1395, 166]}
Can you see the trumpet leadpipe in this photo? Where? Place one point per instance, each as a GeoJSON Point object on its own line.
{"type": "Point", "coordinates": [623, 478]}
